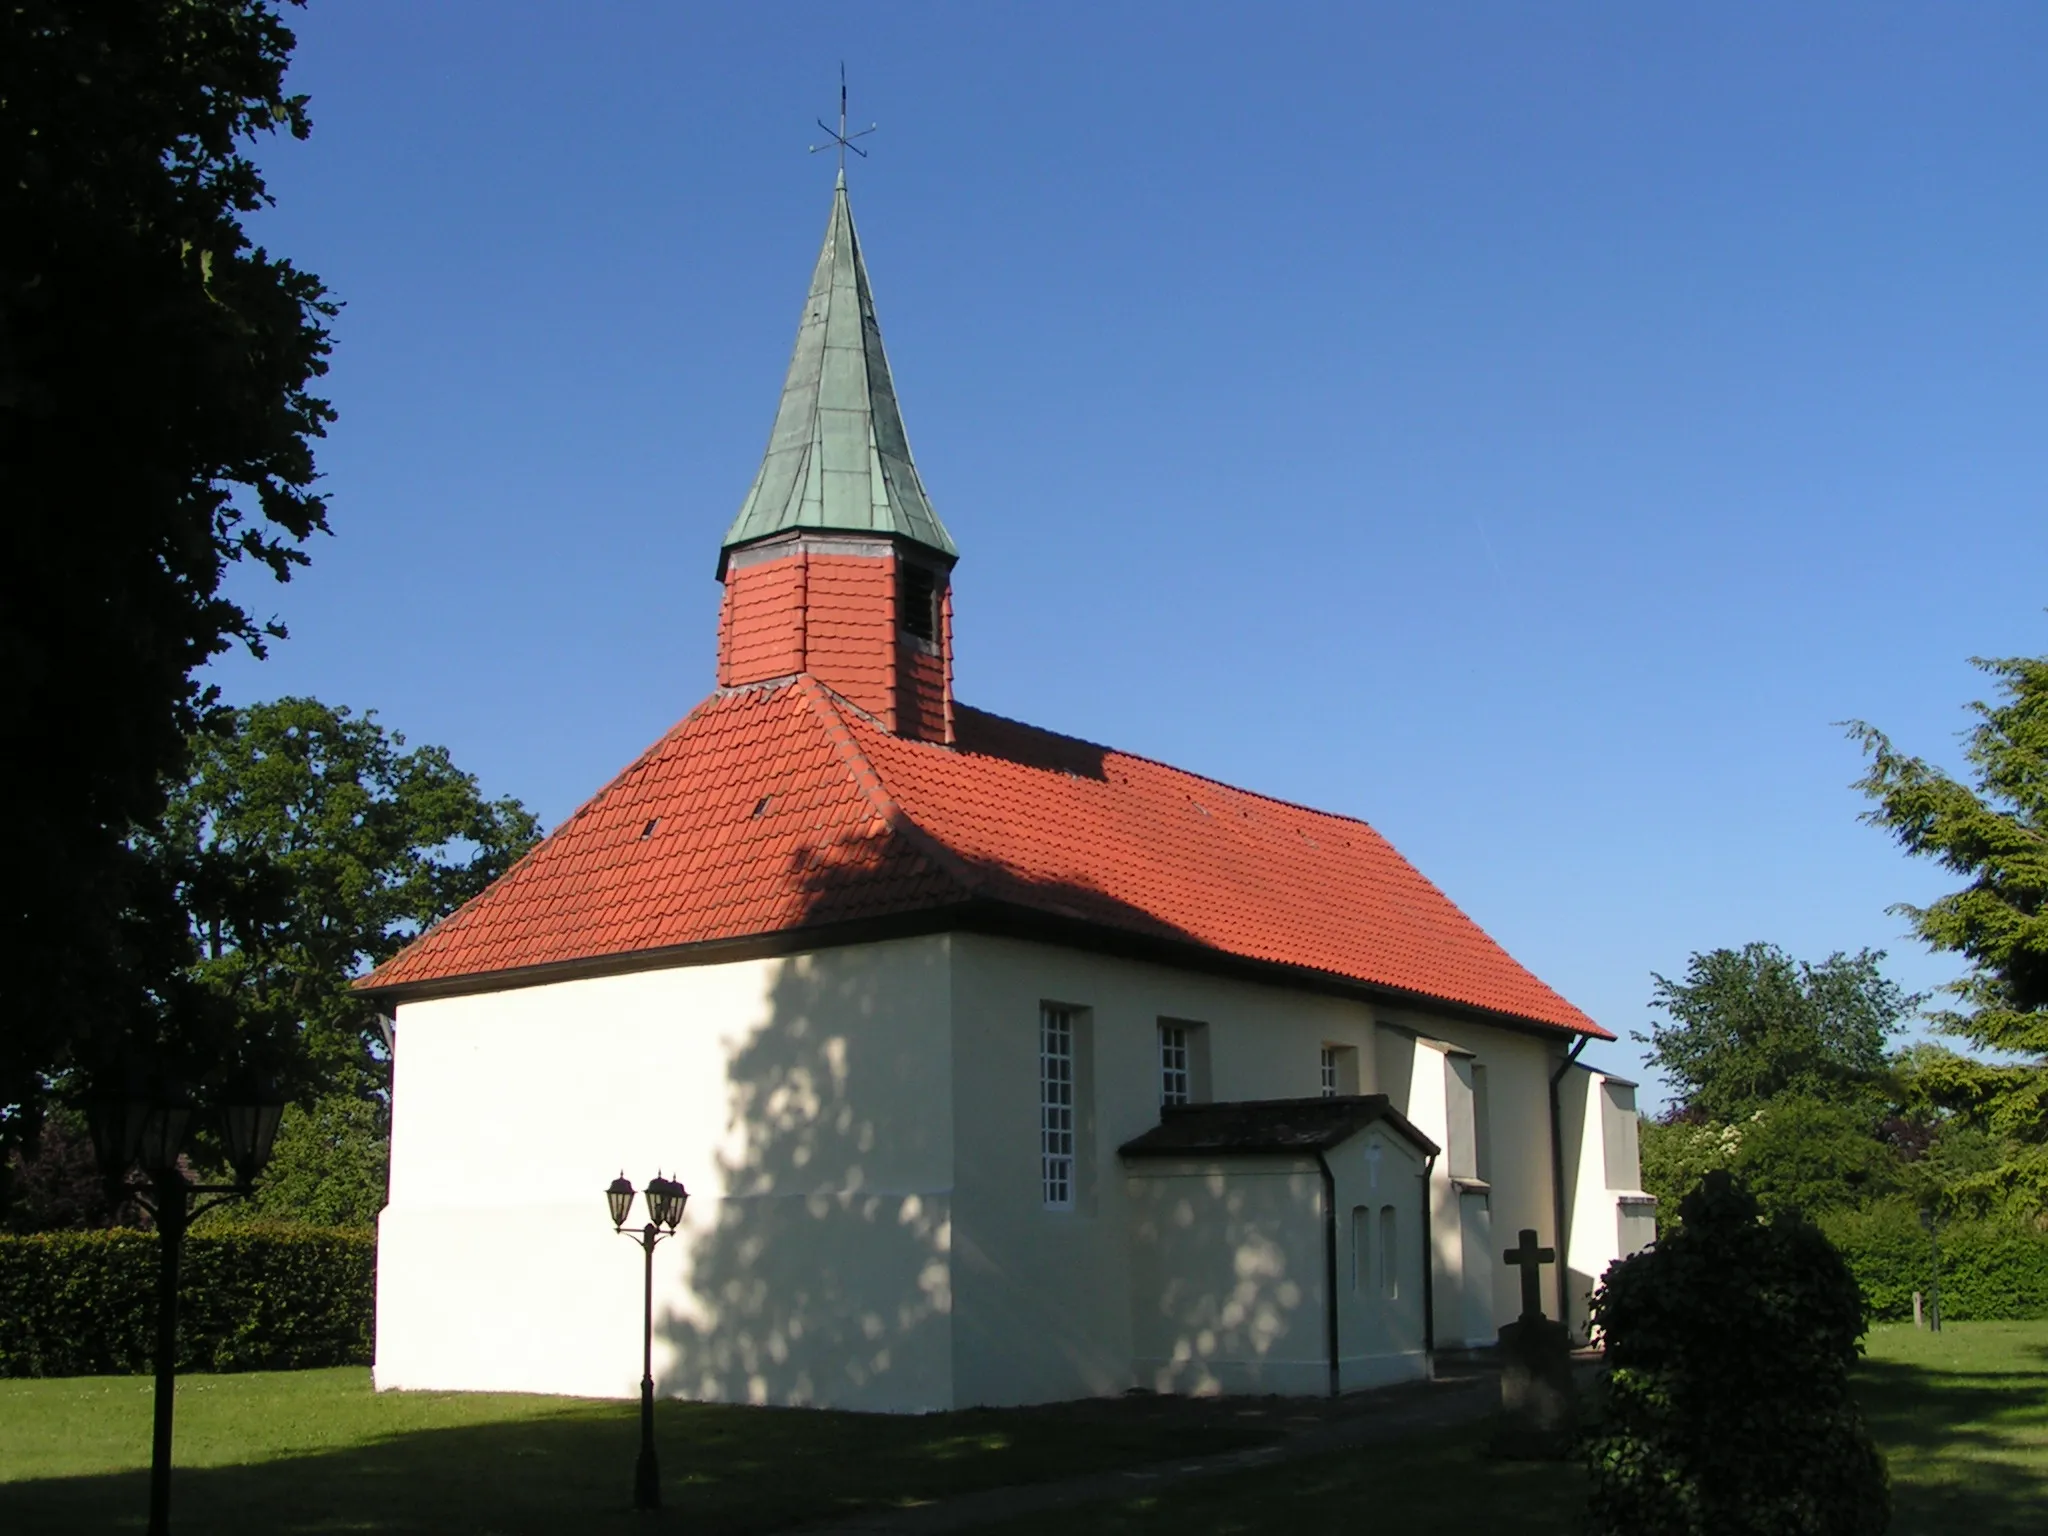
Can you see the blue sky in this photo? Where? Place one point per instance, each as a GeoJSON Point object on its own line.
{"type": "Point", "coordinates": [1530, 429]}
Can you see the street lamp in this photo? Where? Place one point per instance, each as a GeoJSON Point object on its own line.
{"type": "Point", "coordinates": [143, 1120]}
{"type": "Point", "coordinates": [666, 1198]}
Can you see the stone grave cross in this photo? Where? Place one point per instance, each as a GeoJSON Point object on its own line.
{"type": "Point", "coordinates": [1539, 1406]}
{"type": "Point", "coordinates": [1529, 1258]}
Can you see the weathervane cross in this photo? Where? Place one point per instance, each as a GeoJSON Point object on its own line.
{"type": "Point", "coordinates": [841, 137]}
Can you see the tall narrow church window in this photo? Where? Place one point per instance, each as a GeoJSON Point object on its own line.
{"type": "Point", "coordinates": [917, 601]}
{"type": "Point", "coordinates": [1329, 1072]}
{"type": "Point", "coordinates": [1056, 1104]}
{"type": "Point", "coordinates": [1390, 1276]}
{"type": "Point", "coordinates": [1175, 1084]}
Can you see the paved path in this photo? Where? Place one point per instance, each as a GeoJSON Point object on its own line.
{"type": "Point", "coordinates": [1391, 1414]}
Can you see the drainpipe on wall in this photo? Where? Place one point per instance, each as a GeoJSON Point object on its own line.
{"type": "Point", "coordinates": [1428, 1267]}
{"type": "Point", "coordinates": [1330, 1264]}
{"type": "Point", "coordinates": [1558, 1214]}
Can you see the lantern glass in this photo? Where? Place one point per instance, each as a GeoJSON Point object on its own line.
{"type": "Point", "coordinates": [620, 1196]}
{"type": "Point", "coordinates": [249, 1119]}
{"type": "Point", "coordinates": [115, 1111]}
{"type": "Point", "coordinates": [163, 1131]}
{"type": "Point", "coordinates": [665, 1201]}
{"type": "Point", "coordinates": [116, 1125]}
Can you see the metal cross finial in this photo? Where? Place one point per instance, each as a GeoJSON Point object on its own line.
{"type": "Point", "coordinates": [842, 138]}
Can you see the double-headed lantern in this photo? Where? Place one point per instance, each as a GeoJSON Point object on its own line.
{"type": "Point", "coordinates": [145, 1117]}
{"type": "Point", "coordinates": [666, 1198]}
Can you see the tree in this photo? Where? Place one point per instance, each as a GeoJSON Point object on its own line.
{"type": "Point", "coordinates": [1728, 1348]}
{"type": "Point", "coordinates": [1802, 1156]}
{"type": "Point", "coordinates": [157, 422]}
{"type": "Point", "coordinates": [1796, 1155]}
{"type": "Point", "coordinates": [1993, 831]}
{"type": "Point", "coordinates": [57, 1185]}
{"type": "Point", "coordinates": [317, 847]}
{"type": "Point", "coordinates": [1751, 1025]}
{"type": "Point", "coordinates": [330, 1166]}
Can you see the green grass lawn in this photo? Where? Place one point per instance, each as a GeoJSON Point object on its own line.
{"type": "Point", "coordinates": [1963, 1416]}
{"type": "Point", "coordinates": [1963, 1419]}
{"type": "Point", "coordinates": [309, 1451]}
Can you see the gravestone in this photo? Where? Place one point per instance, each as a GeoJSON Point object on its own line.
{"type": "Point", "coordinates": [1539, 1409]}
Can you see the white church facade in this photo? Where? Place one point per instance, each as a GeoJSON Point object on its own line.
{"type": "Point", "coordinates": [1001, 1067]}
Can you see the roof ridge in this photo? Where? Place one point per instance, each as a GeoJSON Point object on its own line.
{"type": "Point", "coordinates": [1157, 762]}
{"type": "Point", "coordinates": [868, 779]}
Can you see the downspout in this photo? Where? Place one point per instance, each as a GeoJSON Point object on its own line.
{"type": "Point", "coordinates": [1330, 1264]}
{"type": "Point", "coordinates": [1428, 1265]}
{"type": "Point", "coordinates": [1559, 1222]}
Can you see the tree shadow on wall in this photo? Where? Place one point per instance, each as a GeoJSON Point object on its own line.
{"type": "Point", "coordinates": [825, 1274]}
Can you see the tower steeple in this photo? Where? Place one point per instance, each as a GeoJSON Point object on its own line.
{"type": "Point", "coordinates": [838, 457]}
{"type": "Point", "coordinates": [836, 564]}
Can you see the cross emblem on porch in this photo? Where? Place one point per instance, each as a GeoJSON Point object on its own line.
{"type": "Point", "coordinates": [1526, 1256]}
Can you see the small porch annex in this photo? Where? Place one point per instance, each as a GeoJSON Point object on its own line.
{"type": "Point", "coordinates": [1279, 1245]}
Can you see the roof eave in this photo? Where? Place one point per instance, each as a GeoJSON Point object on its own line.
{"type": "Point", "coordinates": [979, 915]}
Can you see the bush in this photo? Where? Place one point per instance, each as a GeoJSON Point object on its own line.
{"type": "Point", "coordinates": [1990, 1270]}
{"type": "Point", "coordinates": [251, 1299]}
{"type": "Point", "coordinates": [1728, 1411]}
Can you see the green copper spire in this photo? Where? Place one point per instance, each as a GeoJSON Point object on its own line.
{"type": "Point", "coordinates": [838, 457]}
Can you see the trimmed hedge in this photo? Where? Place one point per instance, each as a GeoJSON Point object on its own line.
{"type": "Point", "coordinates": [1990, 1271]}
{"type": "Point", "coordinates": [251, 1299]}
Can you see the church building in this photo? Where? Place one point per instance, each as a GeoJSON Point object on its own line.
{"type": "Point", "coordinates": [1001, 1067]}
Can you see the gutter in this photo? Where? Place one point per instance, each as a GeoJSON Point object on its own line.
{"type": "Point", "coordinates": [1330, 1264]}
{"type": "Point", "coordinates": [1428, 1265]}
{"type": "Point", "coordinates": [1558, 1213]}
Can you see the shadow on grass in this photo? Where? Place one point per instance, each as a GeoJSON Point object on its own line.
{"type": "Point", "coordinates": [725, 1470]}
{"type": "Point", "coordinates": [1968, 1450]}
{"type": "Point", "coordinates": [1438, 1483]}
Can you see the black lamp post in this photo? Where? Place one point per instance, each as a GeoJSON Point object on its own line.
{"type": "Point", "coordinates": [665, 1201]}
{"type": "Point", "coordinates": [143, 1122]}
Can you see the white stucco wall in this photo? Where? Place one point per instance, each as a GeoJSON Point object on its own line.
{"type": "Point", "coordinates": [1428, 1065]}
{"type": "Point", "coordinates": [1227, 1284]}
{"type": "Point", "coordinates": [1230, 1270]}
{"type": "Point", "coordinates": [805, 1102]}
{"type": "Point", "coordinates": [859, 1130]}
{"type": "Point", "coordinates": [1380, 1328]}
{"type": "Point", "coordinates": [1041, 1296]}
{"type": "Point", "coordinates": [1612, 1217]}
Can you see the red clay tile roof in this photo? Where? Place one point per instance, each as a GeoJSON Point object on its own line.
{"type": "Point", "coordinates": [779, 807]}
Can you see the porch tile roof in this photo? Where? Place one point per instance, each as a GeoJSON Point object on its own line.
{"type": "Point", "coordinates": [1284, 1126]}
